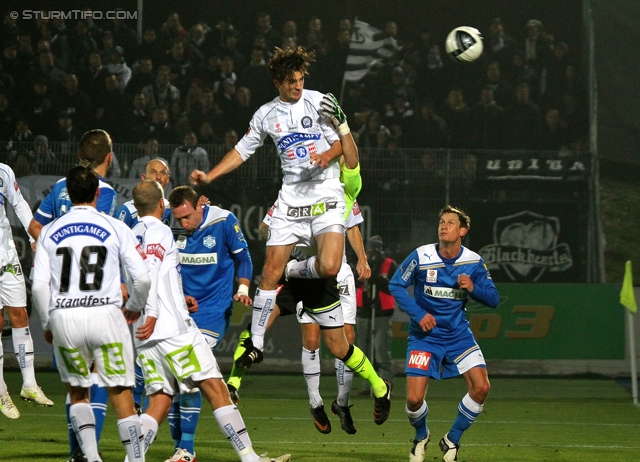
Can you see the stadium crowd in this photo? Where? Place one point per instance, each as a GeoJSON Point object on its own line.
{"type": "Point", "coordinates": [198, 85]}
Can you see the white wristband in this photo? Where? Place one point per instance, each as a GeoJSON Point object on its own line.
{"type": "Point", "coordinates": [243, 289]}
{"type": "Point", "coordinates": [344, 129]}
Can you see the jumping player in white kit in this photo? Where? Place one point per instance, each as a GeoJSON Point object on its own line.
{"type": "Point", "coordinates": [311, 200]}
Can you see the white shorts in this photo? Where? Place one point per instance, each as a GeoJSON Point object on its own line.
{"type": "Point", "coordinates": [84, 335]}
{"type": "Point", "coordinates": [177, 364]}
{"type": "Point", "coordinates": [347, 288]}
{"type": "Point", "coordinates": [331, 318]}
{"type": "Point", "coordinates": [13, 291]}
{"type": "Point", "coordinates": [304, 210]}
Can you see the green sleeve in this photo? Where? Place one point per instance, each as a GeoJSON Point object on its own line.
{"type": "Point", "coordinates": [352, 182]}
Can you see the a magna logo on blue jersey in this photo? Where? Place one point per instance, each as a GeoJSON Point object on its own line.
{"type": "Point", "coordinates": [294, 138]}
{"type": "Point", "coordinates": [80, 229]}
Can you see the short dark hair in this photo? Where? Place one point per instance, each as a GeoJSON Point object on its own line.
{"type": "Point", "coordinates": [465, 220]}
{"type": "Point", "coordinates": [181, 195]}
{"type": "Point", "coordinates": [146, 196]}
{"type": "Point", "coordinates": [283, 63]}
{"type": "Point", "coordinates": [94, 147]}
{"type": "Point", "coordinates": [82, 183]}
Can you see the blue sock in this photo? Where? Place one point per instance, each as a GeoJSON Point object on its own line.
{"type": "Point", "coordinates": [468, 410]}
{"type": "Point", "coordinates": [174, 421]}
{"type": "Point", "coordinates": [418, 419]}
{"type": "Point", "coordinates": [73, 442]}
{"type": "Point", "coordinates": [98, 399]}
{"type": "Point", "coordinates": [190, 405]}
{"type": "Point", "coordinates": [138, 389]}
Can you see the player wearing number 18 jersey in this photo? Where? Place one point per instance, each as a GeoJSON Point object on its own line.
{"type": "Point", "coordinates": [76, 290]}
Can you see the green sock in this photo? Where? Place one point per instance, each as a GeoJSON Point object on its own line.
{"type": "Point", "coordinates": [238, 372]}
{"type": "Point", "coordinates": [360, 364]}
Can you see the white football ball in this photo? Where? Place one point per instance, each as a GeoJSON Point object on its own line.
{"type": "Point", "coordinates": [464, 44]}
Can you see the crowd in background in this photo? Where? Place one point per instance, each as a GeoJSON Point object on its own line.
{"type": "Point", "coordinates": [198, 85]}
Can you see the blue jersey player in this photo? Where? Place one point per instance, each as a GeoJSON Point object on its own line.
{"type": "Point", "coordinates": [211, 246]}
{"type": "Point", "coordinates": [440, 343]}
{"type": "Point", "coordinates": [95, 150]}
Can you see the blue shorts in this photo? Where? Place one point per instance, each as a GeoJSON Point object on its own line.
{"type": "Point", "coordinates": [213, 325]}
{"type": "Point", "coordinates": [440, 358]}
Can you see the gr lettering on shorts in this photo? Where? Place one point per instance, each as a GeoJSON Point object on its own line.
{"type": "Point", "coordinates": [419, 360]}
{"type": "Point", "coordinates": [311, 210]}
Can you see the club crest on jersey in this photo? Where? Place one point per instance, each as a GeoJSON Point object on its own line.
{"type": "Point", "coordinates": [278, 129]}
{"type": "Point", "coordinates": [301, 152]}
{"type": "Point", "coordinates": [181, 243]}
{"type": "Point", "coordinates": [432, 275]}
{"type": "Point", "coordinates": [209, 242]}
{"type": "Point", "coordinates": [419, 360]}
{"type": "Point", "coordinates": [306, 122]}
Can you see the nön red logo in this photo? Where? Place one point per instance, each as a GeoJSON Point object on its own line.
{"type": "Point", "coordinates": [419, 359]}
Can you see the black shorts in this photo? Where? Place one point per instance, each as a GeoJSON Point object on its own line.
{"type": "Point", "coordinates": [315, 294]}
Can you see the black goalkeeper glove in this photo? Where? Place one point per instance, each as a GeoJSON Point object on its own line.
{"type": "Point", "coordinates": [330, 107]}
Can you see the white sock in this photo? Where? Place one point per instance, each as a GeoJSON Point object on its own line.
{"type": "Point", "coordinates": [344, 375]}
{"type": "Point", "coordinates": [3, 386]}
{"type": "Point", "coordinates": [305, 269]}
{"type": "Point", "coordinates": [130, 432]}
{"type": "Point", "coordinates": [23, 347]}
{"type": "Point", "coordinates": [232, 426]}
{"type": "Point", "coordinates": [84, 426]}
{"type": "Point", "coordinates": [311, 371]}
{"type": "Point", "coordinates": [149, 430]}
{"type": "Point", "coordinates": [263, 304]}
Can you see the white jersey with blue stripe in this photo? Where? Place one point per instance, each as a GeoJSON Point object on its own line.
{"type": "Point", "coordinates": [166, 300]}
{"type": "Point", "coordinates": [208, 257]}
{"type": "Point", "coordinates": [57, 202]}
{"type": "Point", "coordinates": [298, 130]}
{"type": "Point", "coordinates": [436, 291]}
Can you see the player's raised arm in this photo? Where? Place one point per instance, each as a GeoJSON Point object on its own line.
{"type": "Point", "coordinates": [331, 108]}
{"type": "Point", "coordinates": [231, 161]}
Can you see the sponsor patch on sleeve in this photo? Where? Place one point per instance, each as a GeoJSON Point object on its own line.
{"type": "Point", "coordinates": [419, 360]}
{"type": "Point", "coordinates": [157, 250]}
{"type": "Point", "coordinates": [238, 231]}
{"type": "Point", "coordinates": [141, 251]}
{"type": "Point", "coordinates": [406, 275]}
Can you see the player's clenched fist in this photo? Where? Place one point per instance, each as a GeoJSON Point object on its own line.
{"type": "Point", "coordinates": [198, 177]}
